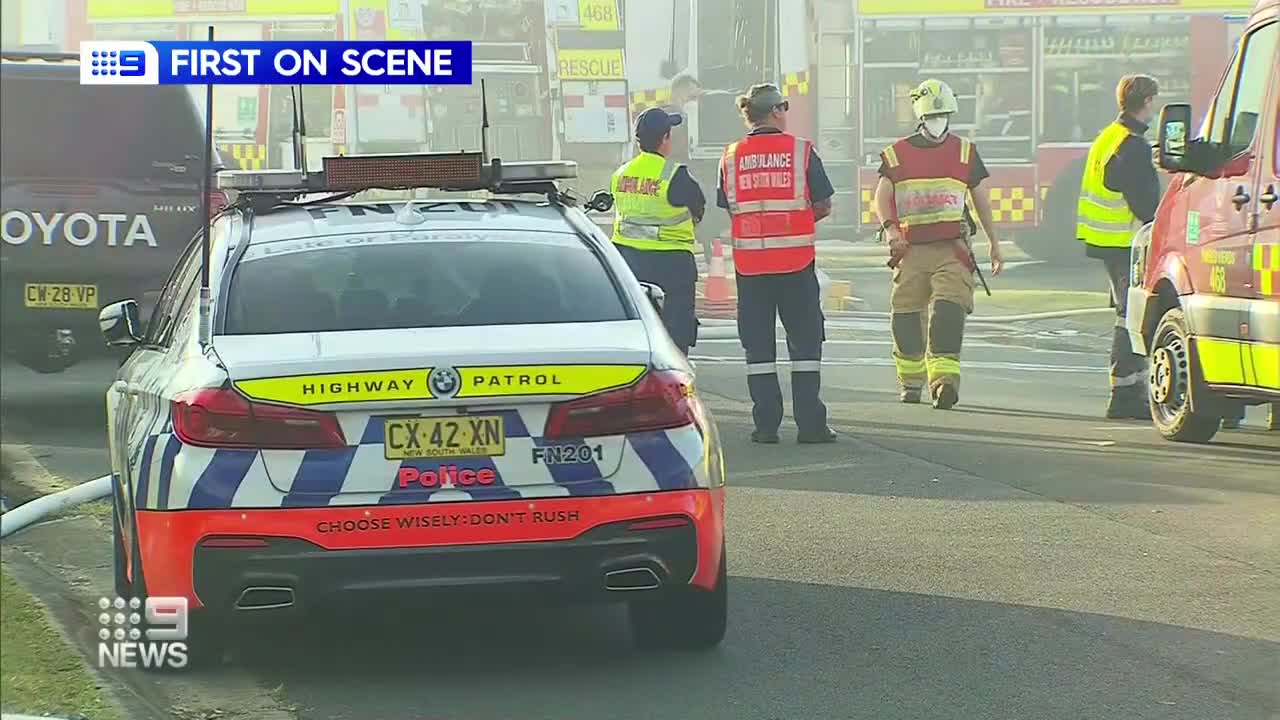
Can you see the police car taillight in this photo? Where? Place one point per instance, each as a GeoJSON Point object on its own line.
{"type": "Point", "coordinates": [223, 418]}
{"type": "Point", "coordinates": [661, 399]}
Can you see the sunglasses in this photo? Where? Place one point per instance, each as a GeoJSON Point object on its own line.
{"type": "Point", "coordinates": [784, 106]}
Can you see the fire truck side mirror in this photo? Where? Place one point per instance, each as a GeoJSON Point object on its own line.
{"type": "Point", "coordinates": [1175, 119]}
{"type": "Point", "coordinates": [601, 201]}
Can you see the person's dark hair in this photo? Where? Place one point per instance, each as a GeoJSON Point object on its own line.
{"type": "Point", "coordinates": [650, 145]}
{"type": "Point", "coordinates": [1133, 92]}
{"type": "Point", "coordinates": [750, 109]}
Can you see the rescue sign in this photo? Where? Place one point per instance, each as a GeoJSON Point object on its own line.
{"type": "Point", "coordinates": [591, 65]}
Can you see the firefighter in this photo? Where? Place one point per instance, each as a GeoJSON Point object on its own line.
{"type": "Point", "coordinates": [775, 189]}
{"type": "Point", "coordinates": [657, 202]}
{"type": "Point", "coordinates": [1120, 192]}
{"type": "Point", "coordinates": [921, 199]}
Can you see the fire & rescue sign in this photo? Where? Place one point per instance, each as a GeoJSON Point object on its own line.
{"type": "Point", "coordinates": [591, 65]}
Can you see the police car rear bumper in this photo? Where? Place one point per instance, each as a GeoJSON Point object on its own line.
{"type": "Point", "coordinates": [289, 574]}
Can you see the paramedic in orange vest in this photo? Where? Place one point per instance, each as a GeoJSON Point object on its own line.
{"type": "Point", "coordinates": [922, 201]}
{"type": "Point", "coordinates": [775, 189]}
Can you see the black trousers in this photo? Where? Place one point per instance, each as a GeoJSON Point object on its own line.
{"type": "Point", "coordinates": [1128, 370]}
{"type": "Point", "coordinates": [795, 298]}
{"type": "Point", "coordinates": [676, 272]}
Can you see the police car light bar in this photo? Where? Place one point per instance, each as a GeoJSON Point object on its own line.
{"type": "Point", "coordinates": [418, 170]}
{"type": "Point", "coordinates": [446, 171]}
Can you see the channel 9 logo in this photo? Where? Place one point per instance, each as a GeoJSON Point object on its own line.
{"type": "Point", "coordinates": [124, 641]}
{"type": "Point", "coordinates": [119, 62]}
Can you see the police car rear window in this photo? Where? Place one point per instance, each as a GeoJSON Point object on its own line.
{"type": "Point", "coordinates": [51, 127]}
{"type": "Point", "coordinates": [419, 279]}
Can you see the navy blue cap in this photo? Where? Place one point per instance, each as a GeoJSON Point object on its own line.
{"type": "Point", "coordinates": [653, 123]}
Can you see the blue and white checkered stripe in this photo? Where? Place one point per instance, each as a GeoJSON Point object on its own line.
{"type": "Point", "coordinates": [172, 476]}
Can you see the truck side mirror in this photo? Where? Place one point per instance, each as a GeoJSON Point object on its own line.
{"type": "Point", "coordinates": [601, 201]}
{"type": "Point", "coordinates": [120, 324]}
{"type": "Point", "coordinates": [1175, 119]}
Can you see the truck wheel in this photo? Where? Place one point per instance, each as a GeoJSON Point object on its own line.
{"type": "Point", "coordinates": [1170, 384]}
{"type": "Point", "coordinates": [682, 618]}
{"type": "Point", "coordinates": [43, 364]}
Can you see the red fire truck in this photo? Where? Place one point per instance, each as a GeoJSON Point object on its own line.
{"type": "Point", "coordinates": [1036, 82]}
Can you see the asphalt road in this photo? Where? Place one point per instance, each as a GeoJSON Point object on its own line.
{"type": "Point", "coordinates": [1016, 557]}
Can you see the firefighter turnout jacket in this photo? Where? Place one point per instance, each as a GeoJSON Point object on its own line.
{"type": "Point", "coordinates": [773, 227]}
{"type": "Point", "coordinates": [644, 218]}
{"type": "Point", "coordinates": [1104, 216]}
{"type": "Point", "coordinates": [930, 188]}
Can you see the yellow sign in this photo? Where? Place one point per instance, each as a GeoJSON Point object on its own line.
{"type": "Point", "coordinates": [591, 65]}
{"type": "Point", "coordinates": [59, 295]}
{"type": "Point", "coordinates": [545, 379]}
{"type": "Point", "coordinates": [598, 14]}
{"type": "Point", "coordinates": [415, 383]}
{"type": "Point", "coordinates": [1042, 7]}
{"type": "Point", "coordinates": [99, 10]}
{"type": "Point", "coordinates": [442, 437]}
{"type": "Point", "coordinates": [386, 385]}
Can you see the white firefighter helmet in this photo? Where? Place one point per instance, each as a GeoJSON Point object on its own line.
{"type": "Point", "coordinates": [933, 97]}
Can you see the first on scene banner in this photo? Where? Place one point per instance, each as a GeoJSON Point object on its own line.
{"type": "Point", "coordinates": [267, 62]}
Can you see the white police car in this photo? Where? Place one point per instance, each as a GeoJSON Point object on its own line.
{"type": "Point", "coordinates": [452, 395]}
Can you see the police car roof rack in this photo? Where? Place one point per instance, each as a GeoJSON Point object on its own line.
{"type": "Point", "coordinates": [445, 171]}
{"type": "Point", "coordinates": [35, 55]}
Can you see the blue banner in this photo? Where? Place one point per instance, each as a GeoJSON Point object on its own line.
{"type": "Point", "coordinates": [328, 62]}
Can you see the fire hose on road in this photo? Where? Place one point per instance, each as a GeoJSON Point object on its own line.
{"type": "Point", "coordinates": [41, 508]}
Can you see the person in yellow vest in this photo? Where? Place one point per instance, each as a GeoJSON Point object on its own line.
{"type": "Point", "coordinates": [1118, 194]}
{"type": "Point", "coordinates": [656, 203]}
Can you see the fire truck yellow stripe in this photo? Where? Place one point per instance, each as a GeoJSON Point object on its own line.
{"type": "Point", "coordinates": [1220, 361]}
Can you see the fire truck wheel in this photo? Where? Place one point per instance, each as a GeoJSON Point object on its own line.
{"type": "Point", "coordinates": [1169, 387]}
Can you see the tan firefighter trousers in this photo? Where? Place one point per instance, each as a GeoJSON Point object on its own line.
{"type": "Point", "coordinates": [932, 293]}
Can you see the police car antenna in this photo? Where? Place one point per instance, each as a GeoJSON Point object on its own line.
{"type": "Point", "coordinates": [299, 130]}
{"type": "Point", "coordinates": [206, 215]}
{"type": "Point", "coordinates": [484, 124]}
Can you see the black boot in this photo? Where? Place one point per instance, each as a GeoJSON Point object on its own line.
{"type": "Point", "coordinates": [945, 396]}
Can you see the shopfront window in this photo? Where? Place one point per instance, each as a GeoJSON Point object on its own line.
{"type": "Point", "coordinates": [986, 61]}
{"type": "Point", "coordinates": [317, 100]}
{"type": "Point", "coordinates": [1085, 57]}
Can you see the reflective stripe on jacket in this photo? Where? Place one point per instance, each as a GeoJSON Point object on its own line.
{"type": "Point", "coordinates": [1103, 217]}
{"type": "Point", "coordinates": [930, 188]}
{"type": "Point", "coordinates": [643, 218]}
{"type": "Point", "coordinates": [764, 180]}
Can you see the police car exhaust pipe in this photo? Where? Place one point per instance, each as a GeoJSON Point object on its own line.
{"type": "Point", "coordinates": [639, 578]}
{"type": "Point", "coordinates": [265, 598]}
{"type": "Point", "coordinates": [30, 513]}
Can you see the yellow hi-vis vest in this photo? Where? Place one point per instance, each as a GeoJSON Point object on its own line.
{"type": "Point", "coordinates": [643, 219]}
{"type": "Point", "coordinates": [1103, 217]}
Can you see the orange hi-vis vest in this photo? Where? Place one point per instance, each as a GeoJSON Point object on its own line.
{"type": "Point", "coordinates": [930, 188]}
{"type": "Point", "coordinates": [764, 180]}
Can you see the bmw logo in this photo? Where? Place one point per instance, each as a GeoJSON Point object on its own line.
{"type": "Point", "coordinates": [444, 381]}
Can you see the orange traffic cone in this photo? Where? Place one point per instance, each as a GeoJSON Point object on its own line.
{"type": "Point", "coordinates": [715, 293]}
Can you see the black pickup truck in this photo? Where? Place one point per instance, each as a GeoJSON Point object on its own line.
{"type": "Point", "coordinates": [99, 194]}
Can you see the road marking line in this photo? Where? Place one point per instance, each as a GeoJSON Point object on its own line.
{"type": "Point", "coordinates": [792, 470]}
{"type": "Point", "coordinates": [888, 362]}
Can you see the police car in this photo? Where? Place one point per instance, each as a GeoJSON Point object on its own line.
{"type": "Point", "coordinates": [449, 394]}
